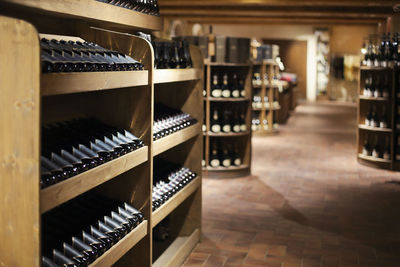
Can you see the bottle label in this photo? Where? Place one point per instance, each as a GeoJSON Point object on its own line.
{"type": "Point", "coordinates": [367, 122]}
{"type": "Point", "coordinates": [398, 126]}
{"type": "Point", "coordinates": [254, 127]}
{"type": "Point", "coordinates": [204, 128]}
{"type": "Point", "coordinates": [204, 92]}
{"type": "Point", "coordinates": [243, 93]}
{"type": "Point", "coordinates": [237, 162]}
{"type": "Point", "coordinates": [383, 124]}
{"type": "Point", "coordinates": [386, 155]}
{"type": "Point", "coordinates": [203, 163]}
{"type": "Point", "coordinates": [374, 123]}
{"type": "Point", "coordinates": [235, 93]}
{"type": "Point", "coordinates": [226, 162]}
{"type": "Point", "coordinates": [376, 93]}
{"type": "Point", "coordinates": [214, 163]}
{"type": "Point", "coordinates": [226, 93]}
{"type": "Point", "coordinates": [243, 127]}
{"type": "Point", "coordinates": [398, 157]}
{"type": "Point", "coordinates": [226, 128]}
{"type": "Point", "coordinates": [386, 94]}
{"type": "Point", "coordinates": [236, 128]}
{"type": "Point", "coordinates": [216, 93]}
{"type": "Point", "coordinates": [375, 153]}
{"type": "Point", "coordinates": [216, 128]}
{"type": "Point", "coordinates": [366, 152]}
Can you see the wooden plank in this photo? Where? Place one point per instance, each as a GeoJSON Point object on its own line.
{"type": "Point", "coordinates": [227, 99]}
{"type": "Point", "coordinates": [370, 158]}
{"type": "Point", "coordinates": [374, 98]}
{"type": "Point", "coordinates": [227, 134]}
{"type": "Point", "coordinates": [175, 201]}
{"type": "Point", "coordinates": [78, 82]}
{"type": "Point", "coordinates": [89, 10]}
{"type": "Point", "coordinates": [19, 139]}
{"type": "Point", "coordinates": [178, 251]}
{"type": "Point", "coordinates": [228, 173]}
{"type": "Point", "coordinates": [59, 193]}
{"type": "Point", "coordinates": [175, 139]}
{"type": "Point", "coordinates": [112, 255]}
{"type": "Point", "coordinates": [176, 75]}
{"type": "Point", "coordinates": [378, 129]}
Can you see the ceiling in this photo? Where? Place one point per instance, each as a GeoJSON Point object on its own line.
{"type": "Point", "coordinates": [318, 12]}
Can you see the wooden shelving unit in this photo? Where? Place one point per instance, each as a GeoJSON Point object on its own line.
{"type": "Point", "coordinates": [122, 99]}
{"type": "Point", "coordinates": [242, 138]}
{"type": "Point", "coordinates": [270, 89]}
{"type": "Point", "coordinates": [382, 134]}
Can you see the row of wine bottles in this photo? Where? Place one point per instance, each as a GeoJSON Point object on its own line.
{"type": "Point", "coordinates": [374, 148]}
{"type": "Point", "coordinates": [75, 146]}
{"type": "Point", "coordinates": [259, 124]}
{"type": "Point", "coordinates": [385, 54]}
{"type": "Point", "coordinates": [377, 85]}
{"type": "Point", "coordinates": [78, 232]}
{"type": "Point", "coordinates": [70, 56]}
{"type": "Point", "coordinates": [257, 81]}
{"type": "Point", "coordinates": [224, 85]}
{"type": "Point", "coordinates": [226, 120]}
{"type": "Point", "coordinates": [168, 120]}
{"type": "Point", "coordinates": [149, 7]}
{"type": "Point", "coordinates": [223, 154]}
{"type": "Point", "coordinates": [375, 119]}
{"type": "Point", "coordinates": [172, 55]}
{"type": "Point", "coordinates": [257, 102]}
{"type": "Point", "coordinates": [169, 179]}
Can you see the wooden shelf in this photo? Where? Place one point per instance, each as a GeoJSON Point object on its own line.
{"type": "Point", "coordinates": [370, 158]}
{"type": "Point", "coordinates": [230, 172]}
{"type": "Point", "coordinates": [227, 134]}
{"type": "Point", "coordinates": [112, 255]}
{"type": "Point", "coordinates": [178, 251]}
{"type": "Point", "coordinates": [174, 201]}
{"type": "Point", "coordinates": [226, 64]}
{"type": "Point", "coordinates": [59, 193]}
{"type": "Point", "coordinates": [232, 168]}
{"type": "Point", "coordinates": [374, 98]}
{"type": "Point", "coordinates": [274, 107]}
{"type": "Point", "coordinates": [227, 99]}
{"type": "Point", "coordinates": [370, 128]}
{"type": "Point", "coordinates": [176, 75]}
{"type": "Point", "coordinates": [95, 11]}
{"type": "Point", "coordinates": [374, 68]}
{"type": "Point", "coordinates": [172, 140]}
{"type": "Point", "coordinates": [78, 82]}
{"type": "Point", "coordinates": [258, 109]}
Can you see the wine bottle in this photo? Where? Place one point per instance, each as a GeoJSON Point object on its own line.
{"type": "Point", "coordinates": [214, 159]}
{"type": "Point", "coordinates": [376, 149]}
{"type": "Point", "coordinates": [368, 117]}
{"type": "Point", "coordinates": [386, 151]}
{"type": "Point", "coordinates": [366, 148]}
{"type": "Point", "coordinates": [235, 156]}
{"type": "Point", "coordinates": [398, 118]}
{"type": "Point", "coordinates": [226, 92]}
{"type": "Point", "coordinates": [241, 88]}
{"type": "Point", "coordinates": [256, 79]}
{"type": "Point", "coordinates": [242, 121]}
{"type": "Point", "coordinates": [226, 123]}
{"type": "Point", "coordinates": [378, 87]}
{"type": "Point", "coordinates": [385, 90]}
{"type": "Point", "coordinates": [374, 122]}
{"type": "Point", "coordinates": [235, 91]}
{"type": "Point", "coordinates": [225, 158]}
{"type": "Point", "coordinates": [215, 124]}
{"type": "Point", "coordinates": [373, 87]}
{"type": "Point", "coordinates": [62, 260]}
{"type": "Point", "coordinates": [383, 122]}
{"type": "Point", "coordinates": [215, 87]}
{"type": "Point", "coordinates": [382, 51]}
{"type": "Point", "coordinates": [388, 51]}
{"type": "Point", "coordinates": [235, 122]}
{"type": "Point", "coordinates": [46, 262]}
{"type": "Point", "coordinates": [395, 53]}
{"type": "Point", "coordinates": [173, 56]}
{"type": "Point", "coordinates": [367, 86]}
{"type": "Point", "coordinates": [73, 254]}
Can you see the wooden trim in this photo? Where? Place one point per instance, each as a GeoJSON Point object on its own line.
{"type": "Point", "coordinates": [369, 158]}
{"type": "Point", "coordinates": [172, 140]}
{"type": "Point", "coordinates": [373, 98]}
{"type": "Point", "coordinates": [227, 99]}
{"type": "Point", "coordinates": [176, 75]}
{"type": "Point", "coordinates": [59, 193]}
{"type": "Point", "coordinates": [227, 134]}
{"type": "Point", "coordinates": [175, 201]}
{"type": "Point", "coordinates": [229, 172]}
{"type": "Point", "coordinates": [178, 251]}
{"type": "Point", "coordinates": [78, 82]}
{"type": "Point", "coordinates": [378, 129]}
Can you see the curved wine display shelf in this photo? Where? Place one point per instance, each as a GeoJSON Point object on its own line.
{"type": "Point", "coordinates": [227, 99]}
{"type": "Point", "coordinates": [229, 172]}
{"type": "Point", "coordinates": [112, 255]}
{"type": "Point", "coordinates": [370, 128]}
{"type": "Point", "coordinates": [227, 134]}
{"type": "Point", "coordinates": [374, 98]}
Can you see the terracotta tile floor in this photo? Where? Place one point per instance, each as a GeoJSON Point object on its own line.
{"type": "Point", "coordinates": [308, 202]}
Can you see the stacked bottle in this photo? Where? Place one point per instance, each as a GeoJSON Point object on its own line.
{"type": "Point", "coordinates": [172, 55]}
{"type": "Point", "coordinates": [149, 7]}
{"type": "Point", "coordinates": [224, 154]}
{"type": "Point", "coordinates": [384, 54]}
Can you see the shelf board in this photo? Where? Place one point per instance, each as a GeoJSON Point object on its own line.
{"type": "Point", "coordinates": [95, 11]}
{"type": "Point", "coordinates": [373, 98]}
{"type": "Point", "coordinates": [175, 139]}
{"type": "Point", "coordinates": [374, 68]}
{"type": "Point", "coordinates": [265, 62]}
{"type": "Point", "coordinates": [226, 64]}
{"type": "Point", "coordinates": [175, 201]}
{"type": "Point", "coordinates": [59, 193]}
{"type": "Point", "coordinates": [365, 127]}
{"type": "Point", "coordinates": [178, 251]}
{"type": "Point", "coordinates": [176, 75]}
{"type": "Point", "coordinates": [257, 109]}
{"type": "Point", "coordinates": [227, 99]}
{"type": "Point", "coordinates": [232, 168]}
{"type": "Point", "coordinates": [227, 134]}
{"type": "Point", "coordinates": [273, 108]}
{"type": "Point", "coordinates": [370, 158]}
{"type": "Point", "coordinates": [112, 255]}
{"type": "Point", "coordinates": [78, 82]}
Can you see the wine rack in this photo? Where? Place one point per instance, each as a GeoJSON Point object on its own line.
{"type": "Point", "coordinates": [265, 103]}
{"type": "Point", "coordinates": [240, 103]}
{"type": "Point", "coordinates": [377, 117]}
{"type": "Point", "coordinates": [122, 99]}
